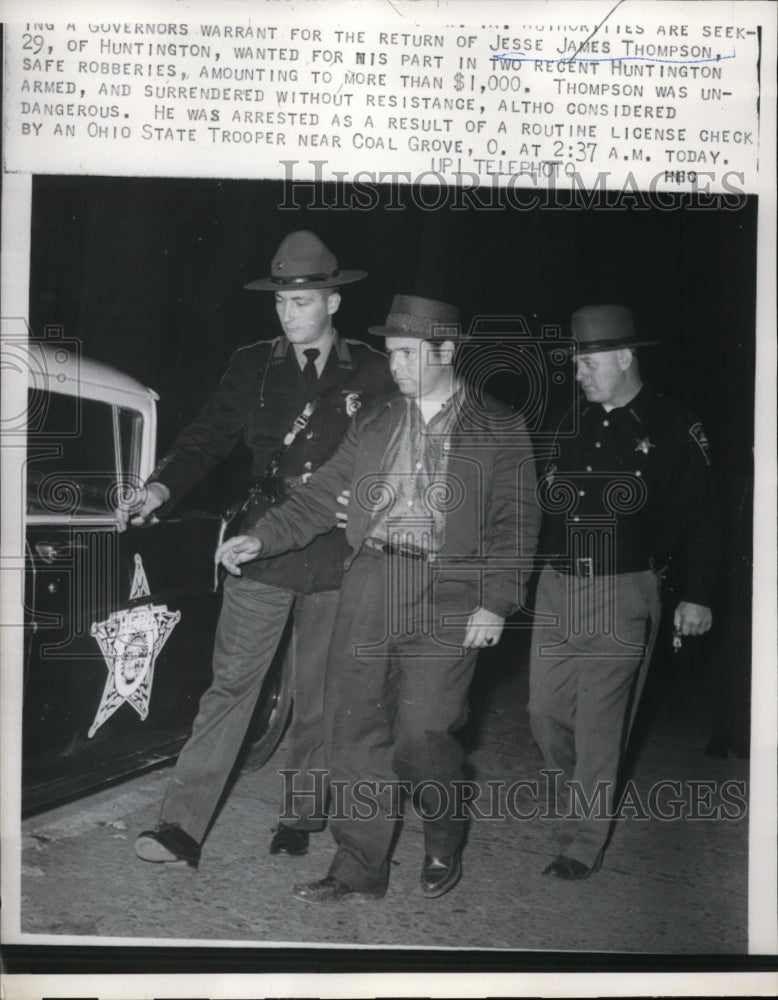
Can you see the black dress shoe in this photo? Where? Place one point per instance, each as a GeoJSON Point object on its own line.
{"type": "Point", "coordinates": [569, 869]}
{"type": "Point", "coordinates": [438, 875]}
{"type": "Point", "coordinates": [287, 840]}
{"type": "Point", "coordinates": [331, 890]}
{"type": "Point", "coordinates": [168, 843]}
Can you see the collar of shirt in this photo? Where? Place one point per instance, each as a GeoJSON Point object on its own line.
{"type": "Point", "coordinates": [321, 361]}
{"type": "Point", "coordinates": [432, 408]}
{"type": "Point", "coordinates": [635, 408]}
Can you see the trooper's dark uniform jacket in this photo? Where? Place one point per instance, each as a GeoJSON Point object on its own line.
{"type": "Point", "coordinates": [633, 487]}
{"type": "Point", "coordinates": [259, 397]}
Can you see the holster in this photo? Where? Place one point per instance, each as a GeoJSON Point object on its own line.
{"type": "Point", "coordinates": [268, 487]}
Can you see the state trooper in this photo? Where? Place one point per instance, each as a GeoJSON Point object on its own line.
{"type": "Point", "coordinates": [291, 400]}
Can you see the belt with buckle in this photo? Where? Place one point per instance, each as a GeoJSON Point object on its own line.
{"type": "Point", "coordinates": [405, 551]}
{"type": "Point", "coordinates": [273, 487]}
{"type": "Point", "coordinates": [587, 566]}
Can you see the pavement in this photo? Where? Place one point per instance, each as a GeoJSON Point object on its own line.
{"type": "Point", "coordinates": [667, 886]}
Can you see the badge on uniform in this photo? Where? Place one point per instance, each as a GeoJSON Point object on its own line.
{"type": "Point", "coordinates": [643, 445]}
{"type": "Point", "coordinates": [700, 437]}
{"type": "Point", "coordinates": [353, 403]}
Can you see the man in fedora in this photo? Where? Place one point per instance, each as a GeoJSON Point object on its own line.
{"type": "Point", "coordinates": [624, 498]}
{"type": "Point", "coordinates": [443, 523]}
{"type": "Point", "coordinates": [291, 400]}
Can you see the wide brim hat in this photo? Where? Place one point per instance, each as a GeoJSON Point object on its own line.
{"type": "Point", "coordinates": [303, 261]}
{"type": "Point", "coordinates": [605, 328]}
{"type": "Point", "coordinates": [425, 319]}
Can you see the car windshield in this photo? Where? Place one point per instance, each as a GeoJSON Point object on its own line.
{"type": "Point", "coordinates": [78, 453]}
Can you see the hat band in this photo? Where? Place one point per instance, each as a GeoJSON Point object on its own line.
{"type": "Point", "coordinates": [304, 278]}
{"type": "Point", "coordinates": [417, 324]}
{"type": "Point", "coordinates": [588, 345]}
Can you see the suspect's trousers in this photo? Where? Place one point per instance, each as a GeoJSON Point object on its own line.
{"type": "Point", "coordinates": [591, 647]}
{"type": "Point", "coordinates": [397, 684]}
{"type": "Point", "coordinates": [251, 623]}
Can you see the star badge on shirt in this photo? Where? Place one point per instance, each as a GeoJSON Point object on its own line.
{"type": "Point", "coordinates": [643, 444]}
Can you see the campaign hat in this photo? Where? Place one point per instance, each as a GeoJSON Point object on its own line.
{"type": "Point", "coordinates": [605, 328]}
{"type": "Point", "coordinates": [303, 261]}
{"type": "Point", "coordinates": [416, 316]}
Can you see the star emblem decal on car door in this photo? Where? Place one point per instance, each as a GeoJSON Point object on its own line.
{"type": "Point", "coordinates": [131, 640]}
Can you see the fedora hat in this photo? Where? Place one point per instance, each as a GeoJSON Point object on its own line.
{"type": "Point", "coordinates": [414, 316]}
{"type": "Point", "coordinates": [303, 261]}
{"type": "Point", "coordinates": [605, 328]}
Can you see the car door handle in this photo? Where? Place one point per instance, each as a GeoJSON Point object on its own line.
{"type": "Point", "coordinates": [49, 552]}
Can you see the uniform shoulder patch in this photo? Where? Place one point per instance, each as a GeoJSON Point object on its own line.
{"type": "Point", "coordinates": [257, 344]}
{"type": "Point", "coordinates": [698, 435]}
{"type": "Point", "coordinates": [362, 344]}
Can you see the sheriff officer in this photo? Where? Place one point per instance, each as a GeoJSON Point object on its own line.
{"type": "Point", "coordinates": [624, 497]}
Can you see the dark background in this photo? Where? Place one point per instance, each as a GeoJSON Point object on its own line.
{"type": "Point", "coordinates": [148, 275]}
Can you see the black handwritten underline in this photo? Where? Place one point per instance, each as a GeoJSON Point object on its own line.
{"type": "Point", "coordinates": [518, 57]}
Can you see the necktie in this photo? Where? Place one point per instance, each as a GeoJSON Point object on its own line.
{"type": "Point", "coordinates": [310, 374]}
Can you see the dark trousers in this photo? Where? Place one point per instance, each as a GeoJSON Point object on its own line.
{"type": "Point", "coordinates": [396, 691]}
{"type": "Point", "coordinates": [251, 623]}
{"type": "Point", "coordinates": [591, 647]}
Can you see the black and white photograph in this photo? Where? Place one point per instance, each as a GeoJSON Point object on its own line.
{"type": "Point", "coordinates": [387, 592]}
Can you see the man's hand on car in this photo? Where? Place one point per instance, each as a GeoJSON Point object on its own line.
{"type": "Point", "coordinates": [153, 496]}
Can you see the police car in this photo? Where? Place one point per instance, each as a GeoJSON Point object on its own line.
{"type": "Point", "coordinates": [118, 625]}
